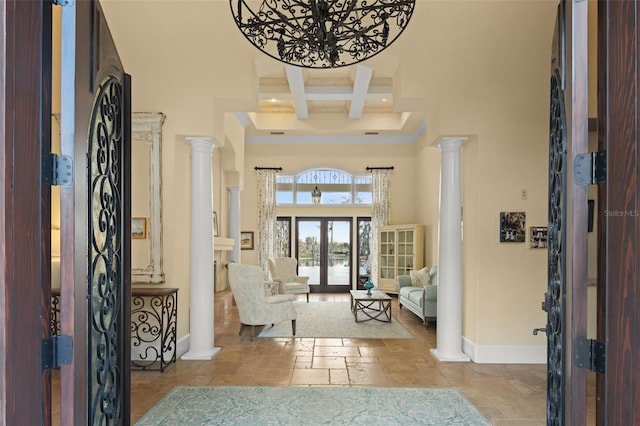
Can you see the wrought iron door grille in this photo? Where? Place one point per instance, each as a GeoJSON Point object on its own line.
{"type": "Point", "coordinates": [105, 277]}
{"type": "Point", "coordinates": [557, 254]}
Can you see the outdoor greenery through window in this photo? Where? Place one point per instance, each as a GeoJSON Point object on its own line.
{"type": "Point", "coordinates": [336, 188]}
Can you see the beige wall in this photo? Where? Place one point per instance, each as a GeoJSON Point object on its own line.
{"type": "Point", "coordinates": [494, 89]}
{"type": "Point", "coordinates": [484, 67]}
{"type": "Point", "coordinates": [427, 187]}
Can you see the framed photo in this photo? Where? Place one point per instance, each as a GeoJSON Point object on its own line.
{"type": "Point", "coordinates": [246, 240]}
{"type": "Point", "coordinates": [512, 229]}
{"type": "Point", "coordinates": [215, 224]}
{"type": "Point", "coordinates": [138, 228]}
{"type": "Point", "coordinates": [538, 237]}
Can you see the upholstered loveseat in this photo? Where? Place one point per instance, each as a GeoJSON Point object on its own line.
{"type": "Point", "coordinates": [420, 294]}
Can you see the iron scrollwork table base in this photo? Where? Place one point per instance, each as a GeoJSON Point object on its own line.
{"type": "Point", "coordinates": [154, 317]}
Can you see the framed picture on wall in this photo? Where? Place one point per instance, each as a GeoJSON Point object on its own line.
{"type": "Point", "coordinates": [138, 228]}
{"type": "Point", "coordinates": [512, 229]}
{"type": "Point", "coordinates": [246, 240]}
{"type": "Point", "coordinates": [538, 237]}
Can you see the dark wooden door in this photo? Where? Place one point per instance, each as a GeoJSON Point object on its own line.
{"type": "Point", "coordinates": [566, 298]}
{"type": "Point", "coordinates": [618, 391]}
{"type": "Point", "coordinates": [95, 221]}
{"type": "Point", "coordinates": [25, 220]}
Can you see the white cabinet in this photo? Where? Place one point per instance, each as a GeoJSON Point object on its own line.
{"type": "Point", "coordinates": [400, 250]}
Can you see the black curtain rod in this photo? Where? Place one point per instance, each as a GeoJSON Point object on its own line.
{"type": "Point", "coordinates": [380, 168]}
{"type": "Point", "coordinates": [268, 168]}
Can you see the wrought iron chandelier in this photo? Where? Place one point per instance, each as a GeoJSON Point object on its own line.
{"type": "Point", "coordinates": [322, 33]}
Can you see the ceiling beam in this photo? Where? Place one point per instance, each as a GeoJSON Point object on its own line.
{"type": "Point", "coordinates": [360, 89]}
{"type": "Point", "coordinates": [296, 85]}
{"type": "Point", "coordinates": [326, 93]}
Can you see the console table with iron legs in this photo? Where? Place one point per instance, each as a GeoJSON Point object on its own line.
{"type": "Point", "coordinates": [154, 325]}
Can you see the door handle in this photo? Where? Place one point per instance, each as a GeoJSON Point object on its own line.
{"type": "Point", "coordinates": [537, 330]}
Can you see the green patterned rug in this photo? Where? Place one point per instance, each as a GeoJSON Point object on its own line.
{"type": "Point", "coordinates": [240, 405]}
{"type": "Point", "coordinates": [334, 319]}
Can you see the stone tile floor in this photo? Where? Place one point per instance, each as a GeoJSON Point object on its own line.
{"type": "Point", "coordinates": [506, 394]}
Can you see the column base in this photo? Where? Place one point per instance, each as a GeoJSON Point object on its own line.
{"type": "Point", "coordinates": [459, 357]}
{"type": "Point", "coordinates": [200, 356]}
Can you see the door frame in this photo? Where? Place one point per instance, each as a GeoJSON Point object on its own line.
{"type": "Point", "coordinates": [618, 390]}
{"type": "Point", "coordinates": [25, 221]}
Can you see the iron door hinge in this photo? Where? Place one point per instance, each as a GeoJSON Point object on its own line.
{"type": "Point", "coordinates": [546, 302]}
{"type": "Point", "coordinates": [590, 354]}
{"type": "Point", "coordinates": [58, 170]}
{"type": "Point", "coordinates": [590, 168]}
{"type": "Point", "coordinates": [56, 351]}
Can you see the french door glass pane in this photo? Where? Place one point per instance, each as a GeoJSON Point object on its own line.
{"type": "Point", "coordinates": [309, 250]}
{"type": "Point", "coordinates": [339, 252]}
{"type": "Point", "coordinates": [364, 264]}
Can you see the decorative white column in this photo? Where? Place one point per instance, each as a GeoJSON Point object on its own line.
{"type": "Point", "coordinates": [234, 223]}
{"type": "Point", "coordinates": [201, 317]}
{"type": "Point", "coordinates": [449, 336]}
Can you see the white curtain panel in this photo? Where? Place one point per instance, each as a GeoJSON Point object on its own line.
{"type": "Point", "coordinates": [266, 217]}
{"type": "Point", "coordinates": [380, 213]}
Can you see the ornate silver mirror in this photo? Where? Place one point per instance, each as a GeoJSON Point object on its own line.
{"type": "Point", "coordinates": [146, 197]}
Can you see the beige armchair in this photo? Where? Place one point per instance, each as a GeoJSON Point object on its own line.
{"type": "Point", "coordinates": [255, 307]}
{"type": "Point", "coordinates": [284, 271]}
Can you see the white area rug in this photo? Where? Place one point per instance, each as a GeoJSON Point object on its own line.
{"type": "Point", "coordinates": [334, 319]}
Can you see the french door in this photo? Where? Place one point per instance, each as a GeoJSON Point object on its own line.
{"type": "Point", "coordinates": [323, 250]}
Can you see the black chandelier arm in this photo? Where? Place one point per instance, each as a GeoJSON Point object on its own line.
{"type": "Point", "coordinates": [293, 39]}
{"type": "Point", "coordinates": [345, 14]}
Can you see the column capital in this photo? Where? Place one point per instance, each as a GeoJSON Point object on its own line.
{"type": "Point", "coordinates": [200, 143]}
{"type": "Point", "coordinates": [450, 143]}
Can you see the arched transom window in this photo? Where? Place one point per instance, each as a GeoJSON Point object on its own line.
{"type": "Point", "coordinates": [323, 186]}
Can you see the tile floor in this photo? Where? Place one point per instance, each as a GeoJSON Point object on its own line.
{"type": "Point", "coordinates": [505, 394]}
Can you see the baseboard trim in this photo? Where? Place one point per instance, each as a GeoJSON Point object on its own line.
{"type": "Point", "coordinates": [182, 346]}
{"type": "Point", "coordinates": [496, 354]}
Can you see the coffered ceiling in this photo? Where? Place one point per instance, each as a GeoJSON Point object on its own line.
{"type": "Point", "coordinates": [353, 103]}
{"type": "Point", "coordinates": [352, 91]}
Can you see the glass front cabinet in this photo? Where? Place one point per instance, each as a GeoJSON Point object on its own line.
{"type": "Point", "coordinates": [400, 250]}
